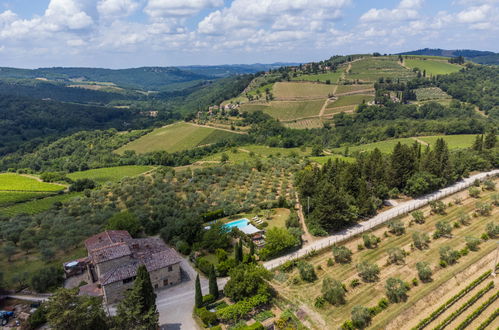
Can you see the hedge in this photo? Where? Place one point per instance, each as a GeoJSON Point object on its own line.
{"type": "Point", "coordinates": [478, 311]}
{"type": "Point", "coordinates": [424, 322]}
{"type": "Point", "coordinates": [489, 320]}
{"type": "Point", "coordinates": [464, 307]}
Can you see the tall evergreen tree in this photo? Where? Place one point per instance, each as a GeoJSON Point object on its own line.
{"type": "Point", "coordinates": [403, 165]}
{"type": "Point", "coordinates": [490, 140]}
{"type": "Point", "coordinates": [478, 144]}
{"type": "Point", "coordinates": [198, 298]}
{"type": "Point", "coordinates": [239, 252]}
{"type": "Point", "coordinates": [213, 282]}
{"type": "Point", "coordinates": [252, 249]}
{"type": "Point", "coordinates": [138, 309]}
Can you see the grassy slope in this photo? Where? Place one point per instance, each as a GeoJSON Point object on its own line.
{"type": "Point", "coordinates": [384, 146]}
{"type": "Point", "coordinates": [287, 110]}
{"type": "Point", "coordinates": [243, 153]}
{"type": "Point", "coordinates": [432, 67]}
{"type": "Point", "coordinates": [370, 69]}
{"type": "Point", "coordinates": [35, 206]}
{"type": "Point", "coordinates": [350, 100]}
{"type": "Point", "coordinates": [352, 88]}
{"type": "Point", "coordinates": [12, 181]}
{"type": "Point", "coordinates": [322, 77]}
{"type": "Point", "coordinates": [110, 174]}
{"type": "Point", "coordinates": [368, 294]}
{"type": "Point", "coordinates": [453, 141]}
{"type": "Point", "coordinates": [296, 90]}
{"type": "Point", "coordinates": [177, 137]}
{"type": "Point", "coordinates": [10, 197]}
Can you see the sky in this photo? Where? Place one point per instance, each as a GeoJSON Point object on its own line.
{"type": "Point", "coordinates": [134, 33]}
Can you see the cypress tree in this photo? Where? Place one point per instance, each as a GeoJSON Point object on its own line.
{"type": "Point", "coordinates": [199, 295]}
{"type": "Point", "coordinates": [138, 309]}
{"type": "Point", "coordinates": [239, 252]}
{"type": "Point", "coordinates": [490, 140]}
{"type": "Point", "coordinates": [252, 249]}
{"type": "Point", "coordinates": [478, 144]}
{"type": "Point", "coordinates": [213, 283]}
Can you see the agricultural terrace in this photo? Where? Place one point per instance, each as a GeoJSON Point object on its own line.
{"type": "Point", "coordinates": [177, 137]}
{"type": "Point", "coordinates": [305, 123]}
{"type": "Point", "coordinates": [432, 67]}
{"type": "Point", "coordinates": [347, 103]}
{"type": "Point", "coordinates": [396, 249]}
{"type": "Point", "coordinates": [17, 182]}
{"type": "Point", "coordinates": [324, 159]}
{"type": "Point", "coordinates": [35, 206]}
{"type": "Point", "coordinates": [297, 90]}
{"type": "Point", "coordinates": [110, 174]}
{"type": "Point", "coordinates": [332, 77]}
{"type": "Point", "coordinates": [372, 68]}
{"type": "Point", "coordinates": [357, 88]}
{"type": "Point", "coordinates": [383, 146]}
{"type": "Point", "coordinates": [251, 153]}
{"type": "Point", "coordinates": [461, 141]}
{"type": "Point", "coordinates": [431, 93]}
{"type": "Point", "coordinates": [287, 110]}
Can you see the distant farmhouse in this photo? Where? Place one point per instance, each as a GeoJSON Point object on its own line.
{"type": "Point", "coordinates": [113, 259]}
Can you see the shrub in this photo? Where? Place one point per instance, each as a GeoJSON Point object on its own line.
{"type": "Point", "coordinates": [396, 256]}
{"type": "Point", "coordinates": [474, 192]}
{"type": "Point", "coordinates": [360, 247]}
{"type": "Point", "coordinates": [437, 207]}
{"type": "Point", "coordinates": [355, 283]}
{"type": "Point", "coordinates": [492, 229]}
{"type": "Point", "coordinates": [82, 184]}
{"type": "Point", "coordinates": [489, 185]}
{"type": "Point", "coordinates": [208, 299]}
{"type": "Point", "coordinates": [483, 208]}
{"type": "Point", "coordinates": [464, 218]}
{"type": "Point", "coordinates": [396, 290]}
{"type": "Point", "coordinates": [495, 199]}
{"type": "Point", "coordinates": [333, 291]}
{"type": "Point", "coordinates": [443, 228]}
{"type": "Point", "coordinates": [319, 302]}
{"type": "Point", "coordinates": [307, 272]}
{"type": "Point", "coordinates": [424, 271]}
{"type": "Point", "coordinates": [330, 262]}
{"type": "Point", "coordinates": [38, 318]}
{"type": "Point", "coordinates": [370, 241]}
{"type": "Point", "coordinates": [204, 265]}
{"type": "Point", "coordinates": [342, 254]}
{"type": "Point", "coordinates": [208, 318]}
{"type": "Point", "coordinates": [449, 255]}
{"type": "Point", "coordinates": [287, 266]}
{"type": "Point", "coordinates": [367, 271]}
{"type": "Point", "coordinates": [472, 243]}
{"type": "Point", "coordinates": [396, 227]}
{"type": "Point", "coordinates": [420, 240]}
{"type": "Point", "coordinates": [47, 278]}
{"type": "Point", "coordinates": [415, 282]}
{"type": "Point", "coordinates": [418, 217]}
{"type": "Point", "coordinates": [361, 317]}
{"type": "Point", "coordinates": [262, 316]}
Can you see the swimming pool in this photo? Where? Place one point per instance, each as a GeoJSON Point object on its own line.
{"type": "Point", "coordinates": [241, 223]}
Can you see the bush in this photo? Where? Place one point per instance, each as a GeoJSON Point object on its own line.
{"type": "Point", "coordinates": [203, 265]}
{"type": "Point", "coordinates": [355, 283]}
{"type": "Point", "coordinates": [288, 266]}
{"type": "Point", "coordinates": [489, 185]}
{"type": "Point", "coordinates": [396, 227]}
{"type": "Point", "coordinates": [472, 243]}
{"type": "Point", "coordinates": [38, 318]}
{"type": "Point", "coordinates": [82, 184]}
{"type": "Point", "coordinates": [208, 299]}
{"type": "Point", "coordinates": [330, 262]}
{"type": "Point", "coordinates": [474, 192]}
{"type": "Point", "coordinates": [307, 272]}
{"type": "Point", "coordinates": [333, 291]}
{"type": "Point", "coordinates": [262, 316]}
{"type": "Point", "coordinates": [396, 256]}
{"type": "Point", "coordinates": [396, 290]}
{"type": "Point", "coordinates": [383, 303]}
{"type": "Point", "coordinates": [483, 208]}
{"type": "Point", "coordinates": [464, 218]}
{"type": "Point", "coordinates": [319, 302]}
{"type": "Point", "coordinates": [47, 278]}
{"type": "Point", "coordinates": [437, 207]}
{"type": "Point", "coordinates": [492, 230]}
{"type": "Point", "coordinates": [183, 247]}
{"type": "Point", "coordinates": [342, 254]}
{"type": "Point", "coordinates": [449, 255]}
{"type": "Point", "coordinates": [370, 241]}
{"type": "Point", "coordinates": [361, 317]}
{"type": "Point", "coordinates": [443, 228]}
{"type": "Point", "coordinates": [208, 318]}
{"type": "Point", "coordinates": [424, 271]}
{"type": "Point", "coordinates": [367, 271]}
{"type": "Point", "coordinates": [418, 217]}
{"type": "Point", "coordinates": [420, 240]}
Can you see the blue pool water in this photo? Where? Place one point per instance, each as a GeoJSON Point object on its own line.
{"type": "Point", "coordinates": [241, 223]}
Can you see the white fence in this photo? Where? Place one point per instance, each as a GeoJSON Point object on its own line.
{"type": "Point", "coordinates": [403, 208]}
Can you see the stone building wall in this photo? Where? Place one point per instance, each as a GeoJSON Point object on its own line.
{"type": "Point", "coordinates": [159, 276]}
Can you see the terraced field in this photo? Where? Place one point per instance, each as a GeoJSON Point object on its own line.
{"type": "Point", "coordinates": [364, 88]}
{"type": "Point", "coordinates": [299, 90]}
{"type": "Point", "coordinates": [287, 110]}
{"type": "Point", "coordinates": [431, 93]}
{"type": "Point", "coordinates": [110, 174]}
{"type": "Point", "coordinates": [347, 103]}
{"type": "Point", "coordinates": [432, 67]}
{"type": "Point", "coordinates": [17, 182]}
{"type": "Point", "coordinates": [384, 146]}
{"type": "Point", "coordinates": [177, 137]}
{"type": "Point", "coordinates": [333, 77]}
{"type": "Point", "coordinates": [422, 298]}
{"type": "Point", "coordinates": [305, 123]}
{"type": "Point", "coordinates": [453, 141]}
{"type": "Point", "coordinates": [372, 68]}
{"type": "Point", "coordinates": [35, 206]}
{"type": "Point", "coordinates": [252, 152]}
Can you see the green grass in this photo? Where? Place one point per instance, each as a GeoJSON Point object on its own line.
{"type": "Point", "coordinates": [17, 182]}
{"type": "Point", "coordinates": [453, 141]}
{"type": "Point", "coordinates": [297, 90]}
{"type": "Point", "coordinates": [431, 93]}
{"type": "Point", "coordinates": [177, 137]}
{"type": "Point", "coordinates": [353, 88]}
{"type": "Point", "coordinates": [350, 100]}
{"type": "Point", "coordinates": [11, 197]}
{"type": "Point", "coordinates": [35, 206]}
{"type": "Point", "coordinates": [110, 174]}
{"type": "Point", "coordinates": [243, 153]}
{"type": "Point", "coordinates": [371, 69]}
{"type": "Point", "coordinates": [324, 159]}
{"type": "Point", "coordinates": [432, 67]}
{"type": "Point", "coordinates": [333, 77]}
{"type": "Point", "coordinates": [287, 110]}
{"type": "Point", "coordinates": [384, 146]}
{"type": "Point", "coordinates": [305, 123]}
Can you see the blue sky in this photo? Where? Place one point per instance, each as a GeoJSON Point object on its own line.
{"type": "Point", "coordinates": [132, 33]}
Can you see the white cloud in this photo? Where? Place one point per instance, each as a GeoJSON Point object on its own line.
{"type": "Point", "coordinates": [474, 14]}
{"type": "Point", "coordinates": [176, 8]}
{"type": "Point", "coordinates": [116, 8]}
{"type": "Point", "coordinates": [69, 14]}
{"type": "Point", "coordinates": [406, 10]}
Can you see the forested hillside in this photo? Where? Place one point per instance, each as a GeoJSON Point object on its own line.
{"type": "Point", "coordinates": [477, 56]}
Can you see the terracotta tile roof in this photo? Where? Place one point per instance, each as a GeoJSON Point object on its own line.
{"type": "Point", "coordinates": [110, 252]}
{"type": "Point", "coordinates": [106, 238]}
{"type": "Point", "coordinates": [91, 289]}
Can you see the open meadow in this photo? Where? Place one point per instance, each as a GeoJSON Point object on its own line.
{"type": "Point", "coordinates": [432, 67]}
{"type": "Point", "coordinates": [300, 90]}
{"type": "Point", "coordinates": [396, 253]}
{"type": "Point", "coordinates": [18, 182]}
{"type": "Point", "coordinates": [177, 137]}
{"type": "Point", "coordinates": [35, 206]}
{"type": "Point", "coordinates": [332, 77]}
{"type": "Point", "coordinates": [460, 141]}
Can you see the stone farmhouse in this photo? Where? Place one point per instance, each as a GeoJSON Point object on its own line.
{"type": "Point", "coordinates": [113, 259]}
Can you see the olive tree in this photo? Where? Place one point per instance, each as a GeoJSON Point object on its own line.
{"type": "Point", "coordinates": [421, 240]}
{"type": "Point", "coordinates": [396, 290]}
{"type": "Point", "coordinates": [369, 272]}
{"type": "Point", "coordinates": [396, 256]}
{"type": "Point", "coordinates": [333, 291]}
{"type": "Point", "coordinates": [424, 271]}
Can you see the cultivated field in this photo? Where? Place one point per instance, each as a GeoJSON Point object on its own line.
{"type": "Point", "coordinates": [333, 77]}
{"type": "Point", "coordinates": [324, 159]}
{"type": "Point", "coordinates": [297, 90]}
{"type": "Point", "coordinates": [354, 99]}
{"type": "Point", "coordinates": [17, 182]}
{"type": "Point", "coordinates": [446, 281]}
{"type": "Point", "coordinates": [432, 67]}
{"type": "Point", "coordinates": [431, 93]}
{"type": "Point", "coordinates": [305, 123]}
{"type": "Point", "coordinates": [287, 110]}
{"type": "Point", "coordinates": [110, 174]}
{"type": "Point", "coordinates": [35, 206]}
{"type": "Point", "coordinates": [453, 141]}
{"type": "Point", "coordinates": [362, 88]}
{"type": "Point", "coordinates": [372, 68]}
{"type": "Point", "coordinates": [384, 146]}
{"type": "Point", "coordinates": [177, 137]}
{"type": "Point", "coordinates": [253, 152]}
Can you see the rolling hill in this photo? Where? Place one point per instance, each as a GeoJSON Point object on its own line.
{"type": "Point", "coordinates": [477, 56]}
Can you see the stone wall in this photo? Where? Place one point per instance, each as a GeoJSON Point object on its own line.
{"type": "Point", "coordinates": [114, 292]}
{"type": "Point", "coordinates": [159, 276]}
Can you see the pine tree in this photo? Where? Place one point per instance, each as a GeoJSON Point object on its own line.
{"type": "Point", "coordinates": [198, 295]}
{"type": "Point", "coordinates": [490, 140]}
{"type": "Point", "coordinates": [213, 282]}
{"type": "Point", "coordinates": [403, 165]}
{"type": "Point", "coordinates": [138, 309]}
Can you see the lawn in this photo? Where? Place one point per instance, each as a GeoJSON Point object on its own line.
{"type": "Point", "coordinates": [176, 137]}
{"type": "Point", "coordinates": [353, 88]}
{"type": "Point", "coordinates": [431, 93]}
{"type": "Point", "coordinates": [354, 99]}
{"type": "Point", "coordinates": [333, 77]}
{"type": "Point", "coordinates": [372, 68]}
{"type": "Point", "coordinates": [297, 90]}
{"type": "Point", "coordinates": [17, 182]}
{"type": "Point", "coordinates": [453, 141]}
{"type": "Point", "coordinates": [35, 206]}
{"type": "Point", "coordinates": [110, 174]}
{"type": "Point", "coordinates": [432, 67]}
{"type": "Point", "coordinates": [368, 294]}
{"type": "Point", "coordinates": [287, 110]}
